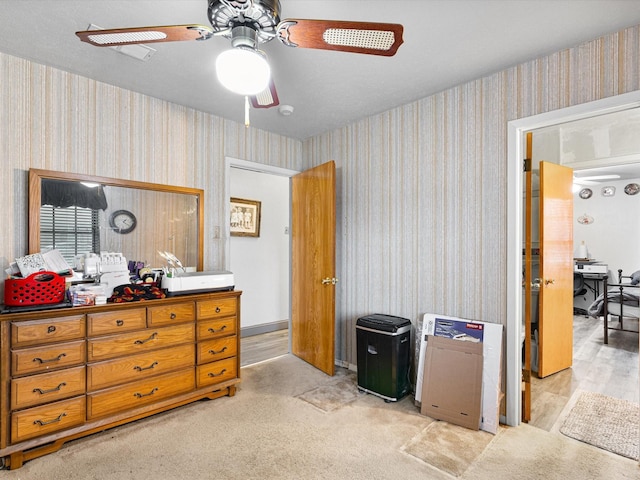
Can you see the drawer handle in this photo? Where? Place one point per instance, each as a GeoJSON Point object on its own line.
{"type": "Point", "coordinates": [217, 309]}
{"type": "Point", "coordinates": [51, 329]}
{"type": "Point", "coordinates": [217, 374]}
{"type": "Point", "coordinates": [44, 392]}
{"type": "Point", "coordinates": [140, 369]}
{"type": "Point", "coordinates": [172, 316]}
{"type": "Point", "coordinates": [213, 330]}
{"type": "Point", "coordinates": [119, 323]}
{"type": "Point", "coordinates": [140, 395]}
{"type": "Point", "coordinates": [140, 342]}
{"type": "Point", "coordinates": [56, 359]}
{"type": "Point", "coordinates": [213, 352]}
{"type": "Point", "coordinates": [49, 422]}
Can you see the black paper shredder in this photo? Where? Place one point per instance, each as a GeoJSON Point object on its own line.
{"type": "Point", "coordinates": [383, 344]}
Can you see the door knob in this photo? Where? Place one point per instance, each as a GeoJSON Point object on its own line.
{"type": "Point", "coordinates": [537, 283]}
{"type": "Point", "coordinates": [327, 281]}
{"type": "Point", "coordinates": [549, 281]}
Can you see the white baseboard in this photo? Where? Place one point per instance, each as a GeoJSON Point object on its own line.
{"type": "Point", "coordinates": [345, 364]}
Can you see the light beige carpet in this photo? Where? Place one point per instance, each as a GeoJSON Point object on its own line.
{"type": "Point", "coordinates": [267, 432]}
{"type": "Point", "coordinates": [334, 394]}
{"type": "Point", "coordinates": [530, 453]}
{"type": "Point", "coordinates": [448, 447]}
{"type": "Point", "coordinates": [605, 422]}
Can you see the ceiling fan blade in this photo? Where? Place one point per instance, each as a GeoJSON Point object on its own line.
{"type": "Point", "coordinates": [129, 36]}
{"type": "Point", "coordinates": [267, 98]}
{"type": "Point", "coordinates": [356, 37]}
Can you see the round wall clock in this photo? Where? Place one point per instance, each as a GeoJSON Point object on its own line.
{"type": "Point", "coordinates": [608, 191]}
{"type": "Point", "coordinates": [585, 193]}
{"type": "Point", "coordinates": [632, 189]}
{"type": "Point", "coordinates": [122, 221]}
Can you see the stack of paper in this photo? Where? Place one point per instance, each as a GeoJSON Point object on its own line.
{"type": "Point", "coordinates": [50, 261]}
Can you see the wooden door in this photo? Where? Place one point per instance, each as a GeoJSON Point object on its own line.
{"type": "Point", "coordinates": [313, 240]}
{"type": "Point", "coordinates": [555, 348]}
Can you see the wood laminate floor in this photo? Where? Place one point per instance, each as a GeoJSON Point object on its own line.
{"type": "Point", "coordinates": [258, 348]}
{"type": "Point", "coordinates": [610, 369]}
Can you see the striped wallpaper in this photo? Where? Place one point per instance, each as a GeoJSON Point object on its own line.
{"type": "Point", "coordinates": [55, 120]}
{"type": "Point", "coordinates": [422, 189]}
{"type": "Point", "coordinates": [422, 192]}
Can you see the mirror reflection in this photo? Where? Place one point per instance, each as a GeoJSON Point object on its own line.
{"type": "Point", "coordinates": [78, 214]}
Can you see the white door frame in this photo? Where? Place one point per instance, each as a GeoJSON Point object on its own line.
{"type": "Point", "coordinates": [515, 156]}
{"type": "Point", "coordinates": [230, 162]}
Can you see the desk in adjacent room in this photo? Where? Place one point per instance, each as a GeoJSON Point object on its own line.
{"type": "Point", "coordinates": [592, 281]}
{"type": "Point", "coordinates": [592, 274]}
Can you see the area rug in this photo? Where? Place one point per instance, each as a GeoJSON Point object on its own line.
{"type": "Point", "coordinates": [337, 393]}
{"type": "Point", "coordinates": [448, 447]}
{"type": "Point", "coordinates": [605, 422]}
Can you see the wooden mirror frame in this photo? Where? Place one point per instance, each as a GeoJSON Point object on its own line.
{"type": "Point", "coordinates": [35, 190]}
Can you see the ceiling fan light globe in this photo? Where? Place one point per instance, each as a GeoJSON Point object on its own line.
{"type": "Point", "coordinates": [243, 71]}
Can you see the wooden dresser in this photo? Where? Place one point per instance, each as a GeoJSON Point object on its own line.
{"type": "Point", "coordinates": [71, 372]}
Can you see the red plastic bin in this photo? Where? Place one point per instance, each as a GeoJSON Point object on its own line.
{"type": "Point", "coordinates": [39, 288]}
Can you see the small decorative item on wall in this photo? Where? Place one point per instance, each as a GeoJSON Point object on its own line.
{"type": "Point", "coordinates": [608, 191]}
{"type": "Point", "coordinates": [586, 193]}
{"type": "Point", "coordinates": [245, 218]}
{"type": "Point", "coordinates": [632, 189]}
{"type": "Point", "coordinates": [585, 219]}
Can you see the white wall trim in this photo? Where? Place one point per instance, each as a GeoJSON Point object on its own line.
{"type": "Point", "coordinates": [347, 365]}
{"type": "Point", "coordinates": [258, 167]}
{"type": "Point", "coordinates": [515, 156]}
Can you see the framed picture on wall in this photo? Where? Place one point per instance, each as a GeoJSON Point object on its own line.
{"type": "Point", "coordinates": [245, 218]}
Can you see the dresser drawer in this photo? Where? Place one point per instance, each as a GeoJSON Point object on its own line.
{"type": "Point", "coordinates": [171, 314]}
{"type": "Point", "coordinates": [38, 332]}
{"type": "Point", "coordinates": [42, 359]}
{"type": "Point", "coordinates": [137, 367]}
{"type": "Point", "coordinates": [45, 419]}
{"type": "Point", "coordinates": [140, 393]}
{"type": "Point", "coordinates": [216, 308]}
{"type": "Point", "coordinates": [216, 328]}
{"type": "Point", "coordinates": [217, 349]}
{"type": "Point", "coordinates": [104, 348]}
{"type": "Point", "coordinates": [116, 322]}
{"type": "Point", "coordinates": [47, 387]}
{"type": "Point", "coordinates": [216, 372]}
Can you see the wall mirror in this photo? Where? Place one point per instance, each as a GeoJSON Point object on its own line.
{"type": "Point", "coordinates": [138, 219]}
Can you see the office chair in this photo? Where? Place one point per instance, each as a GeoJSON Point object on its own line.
{"type": "Point", "coordinates": [579, 289]}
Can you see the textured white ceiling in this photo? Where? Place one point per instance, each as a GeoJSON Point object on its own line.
{"type": "Point", "coordinates": [601, 145]}
{"type": "Point", "coordinates": [446, 43]}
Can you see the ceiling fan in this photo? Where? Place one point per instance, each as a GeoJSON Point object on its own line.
{"type": "Point", "coordinates": [247, 23]}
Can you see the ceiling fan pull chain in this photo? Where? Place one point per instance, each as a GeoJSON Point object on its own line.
{"type": "Point", "coordinates": [246, 111]}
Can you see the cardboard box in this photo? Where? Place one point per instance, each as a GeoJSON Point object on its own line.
{"type": "Point", "coordinates": [491, 368]}
{"type": "Point", "coordinates": [452, 383]}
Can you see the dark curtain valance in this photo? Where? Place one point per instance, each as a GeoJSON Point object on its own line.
{"type": "Point", "coordinates": [60, 193]}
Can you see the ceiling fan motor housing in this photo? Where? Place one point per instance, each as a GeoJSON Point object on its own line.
{"type": "Point", "coordinates": [250, 22]}
{"type": "Point", "coordinates": [244, 36]}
